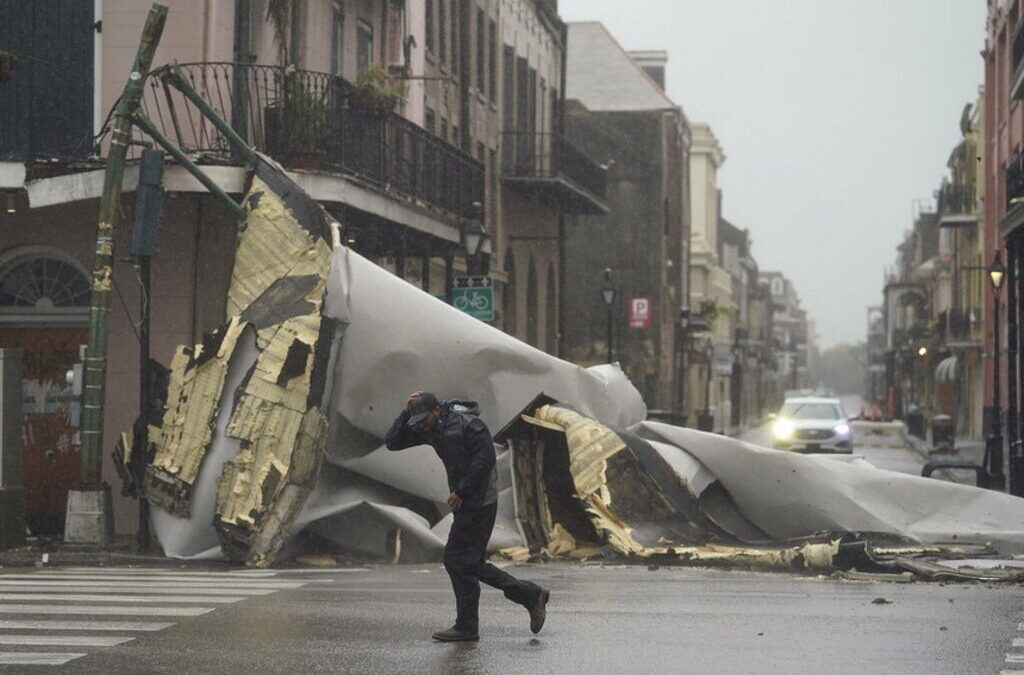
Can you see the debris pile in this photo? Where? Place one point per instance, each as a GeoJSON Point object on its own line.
{"type": "Point", "coordinates": [270, 445]}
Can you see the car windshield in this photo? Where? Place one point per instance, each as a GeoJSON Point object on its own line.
{"type": "Point", "coordinates": [810, 411]}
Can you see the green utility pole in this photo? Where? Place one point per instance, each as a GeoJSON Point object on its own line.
{"type": "Point", "coordinates": [91, 496]}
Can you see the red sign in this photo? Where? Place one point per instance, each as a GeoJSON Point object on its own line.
{"type": "Point", "coordinates": [639, 312]}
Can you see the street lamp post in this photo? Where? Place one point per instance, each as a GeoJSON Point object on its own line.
{"type": "Point", "coordinates": [684, 326]}
{"type": "Point", "coordinates": [608, 294]}
{"type": "Point", "coordinates": [994, 442]}
{"type": "Point", "coordinates": [705, 422]}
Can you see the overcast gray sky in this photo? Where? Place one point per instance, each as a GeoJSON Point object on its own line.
{"type": "Point", "coordinates": [834, 115]}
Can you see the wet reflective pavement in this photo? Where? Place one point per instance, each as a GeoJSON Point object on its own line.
{"type": "Point", "coordinates": [601, 619]}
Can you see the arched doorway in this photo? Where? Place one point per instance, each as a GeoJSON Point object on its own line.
{"type": "Point", "coordinates": [508, 296]}
{"type": "Point", "coordinates": [531, 304]}
{"type": "Point", "coordinates": [551, 313]}
{"type": "Point", "coordinates": [44, 311]}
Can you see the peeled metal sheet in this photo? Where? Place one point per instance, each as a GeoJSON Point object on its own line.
{"type": "Point", "coordinates": [789, 495]}
{"type": "Point", "coordinates": [337, 333]}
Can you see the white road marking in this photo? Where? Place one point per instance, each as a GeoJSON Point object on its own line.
{"type": "Point", "coordinates": [37, 658]}
{"type": "Point", "coordinates": [54, 624]}
{"type": "Point", "coordinates": [1020, 626]}
{"type": "Point", "coordinates": [31, 580]}
{"type": "Point", "coordinates": [1018, 642]}
{"type": "Point", "coordinates": [97, 597]}
{"type": "Point", "coordinates": [99, 610]}
{"type": "Point", "coordinates": [176, 589]}
{"type": "Point", "coordinates": [1015, 658]}
{"type": "Point", "coordinates": [255, 574]}
{"type": "Point", "coordinates": [64, 640]}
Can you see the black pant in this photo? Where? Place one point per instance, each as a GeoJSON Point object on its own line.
{"type": "Point", "coordinates": [464, 558]}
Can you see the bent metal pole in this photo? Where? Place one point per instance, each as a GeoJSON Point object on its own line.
{"type": "Point", "coordinates": [95, 367]}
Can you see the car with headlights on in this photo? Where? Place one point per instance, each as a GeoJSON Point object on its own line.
{"type": "Point", "coordinates": [812, 424]}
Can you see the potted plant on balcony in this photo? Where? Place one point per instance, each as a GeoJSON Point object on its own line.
{"type": "Point", "coordinates": [299, 123]}
{"type": "Point", "coordinates": [307, 125]}
{"type": "Point", "coordinates": [376, 93]}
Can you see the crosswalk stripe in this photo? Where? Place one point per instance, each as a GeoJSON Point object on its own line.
{"type": "Point", "coordinates": [29, 579]}
{"type": "Point", "coordinates": [65, 640]}
{"type": "Point", "coordinates": [159, 570]}
{"type": "Point", "coordinates": [98, 610]}
{"type": "Point", "coordinates": [177, 589]}
{"type": "Point", "coordinates": [149, 573]}
{"type": "Point", "coordinates": [98, 597]}
{"type": "Point", "coordinates": [54, 624]}
{"type": "Point", "coordinates": [1018, 642]}
{"type": "Point", "coordinates": [37, 658]}
{"type": "Point", "coordinates": [1015, 658]}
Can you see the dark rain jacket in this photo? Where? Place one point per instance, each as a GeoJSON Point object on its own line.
{"type": "Point", "coordinates": [464, 444]}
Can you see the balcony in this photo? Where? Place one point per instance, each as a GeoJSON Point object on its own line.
{"type": "Point", "coordinates": [1017, 82]}
{"type": "Point", "coordinates": [311, 121]}
{"type": "Point", "coordinates": [955, 330]}
{"type": "Point", "coordinates": [1014, 217]}
{"type": "Point", "coordinates": [548, 165]}
{"type": "Point", "coordinates": [956, 206]}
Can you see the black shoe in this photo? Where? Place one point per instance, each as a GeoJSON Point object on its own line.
{"type": "Point", "coordinates": [539, 611]}
{"type": "Point", "coordinates": [454, 634]}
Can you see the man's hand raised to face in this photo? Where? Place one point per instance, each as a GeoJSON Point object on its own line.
{"type": "Point", "coordinates": [412, 397]}
{"type": "Point", "coordinates": [454, 501]}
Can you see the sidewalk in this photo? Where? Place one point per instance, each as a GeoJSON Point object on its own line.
{"type": "Point", "coordinates": [971, 450]}
{"type": "Point", "coordinates": [53, 551]}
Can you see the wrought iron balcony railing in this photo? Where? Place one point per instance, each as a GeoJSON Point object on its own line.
{"type": "Point", "coordinates": [311, 120]}
{"type": "Point", "coordinates": [954, 326]}
{"type": "Point", "coordinates": [1017, 79]}
{"type": "Point", "coordinates": [956, 200]}
{"type": "Point", "coordinates": [1015, 182]}
{"type": "Point", "coordinates": [540, 158]}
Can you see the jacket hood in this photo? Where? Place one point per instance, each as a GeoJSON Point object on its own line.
{"type": "Point", "coordinates": [464, 407]}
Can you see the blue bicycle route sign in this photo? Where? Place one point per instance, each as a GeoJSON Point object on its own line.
{"type": "Point", "coordinates": [474, 296]}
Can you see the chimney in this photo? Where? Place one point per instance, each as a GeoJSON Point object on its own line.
{"type": "Point", "coordinates": [653, 63]}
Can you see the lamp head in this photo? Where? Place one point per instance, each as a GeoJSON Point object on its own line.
{"type": "Point", "coordinates": [608, 289]}
{"type": "Point", "coordinates": [997, 272]}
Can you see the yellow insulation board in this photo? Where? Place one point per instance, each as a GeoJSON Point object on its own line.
{"type": "Point", "coordinates": [192, 398]}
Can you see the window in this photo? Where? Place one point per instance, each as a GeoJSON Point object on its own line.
{"type": "Point", "coordinates": [810, 411]}
{"type": "Point", "coordinates": [481, 152]}
{"type": "Point", "coordinates": [429, 121]}
{"type": "Point", "coordinates": [481, 46]}
{"type": "Point", "coordinates": [393, 35]}
{"type": "Point", "coordinates": [442, 30]}
{"type": "Point", "coordinates": [444, 129]}
{"type": "Point", "coordinates": [43, 282]}
{"type": "Point", "coordinates": [430, 26]}
{"type": "Point", "coordinates": [454, 17]}
{"type": "Point", "coordinates": [508, 89]}
{"type": "Point", "coordinates": [364, 46]}
{"type": "Point", "coordinates": [295, 38]}
{"type": "Point", "coordinates": [492, 56]}
{"type": "Point", "coordinates": [337, 27]}
{"type": "Point", "coordinates": [456, 141]}
{"type": "Point", "coordinates": [243, 31]}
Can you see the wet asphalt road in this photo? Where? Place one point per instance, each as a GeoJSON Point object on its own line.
{"type": "Point", "coordinates": [602, 619]}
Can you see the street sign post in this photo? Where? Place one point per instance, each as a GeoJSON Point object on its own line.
{"type": "Point", "coordinates": [474, 296]}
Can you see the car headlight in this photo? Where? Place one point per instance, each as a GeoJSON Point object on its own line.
{"type": "Point", "coordinates": [842, 429]}
{"type": "Point", "coordinates": [782, 429]}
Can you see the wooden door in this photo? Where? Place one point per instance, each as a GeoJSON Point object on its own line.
{"type": "Point", "coordinates": [50, 457]}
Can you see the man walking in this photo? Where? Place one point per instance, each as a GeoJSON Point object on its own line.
{"type": "Point", "coordinates": [463, 442]}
